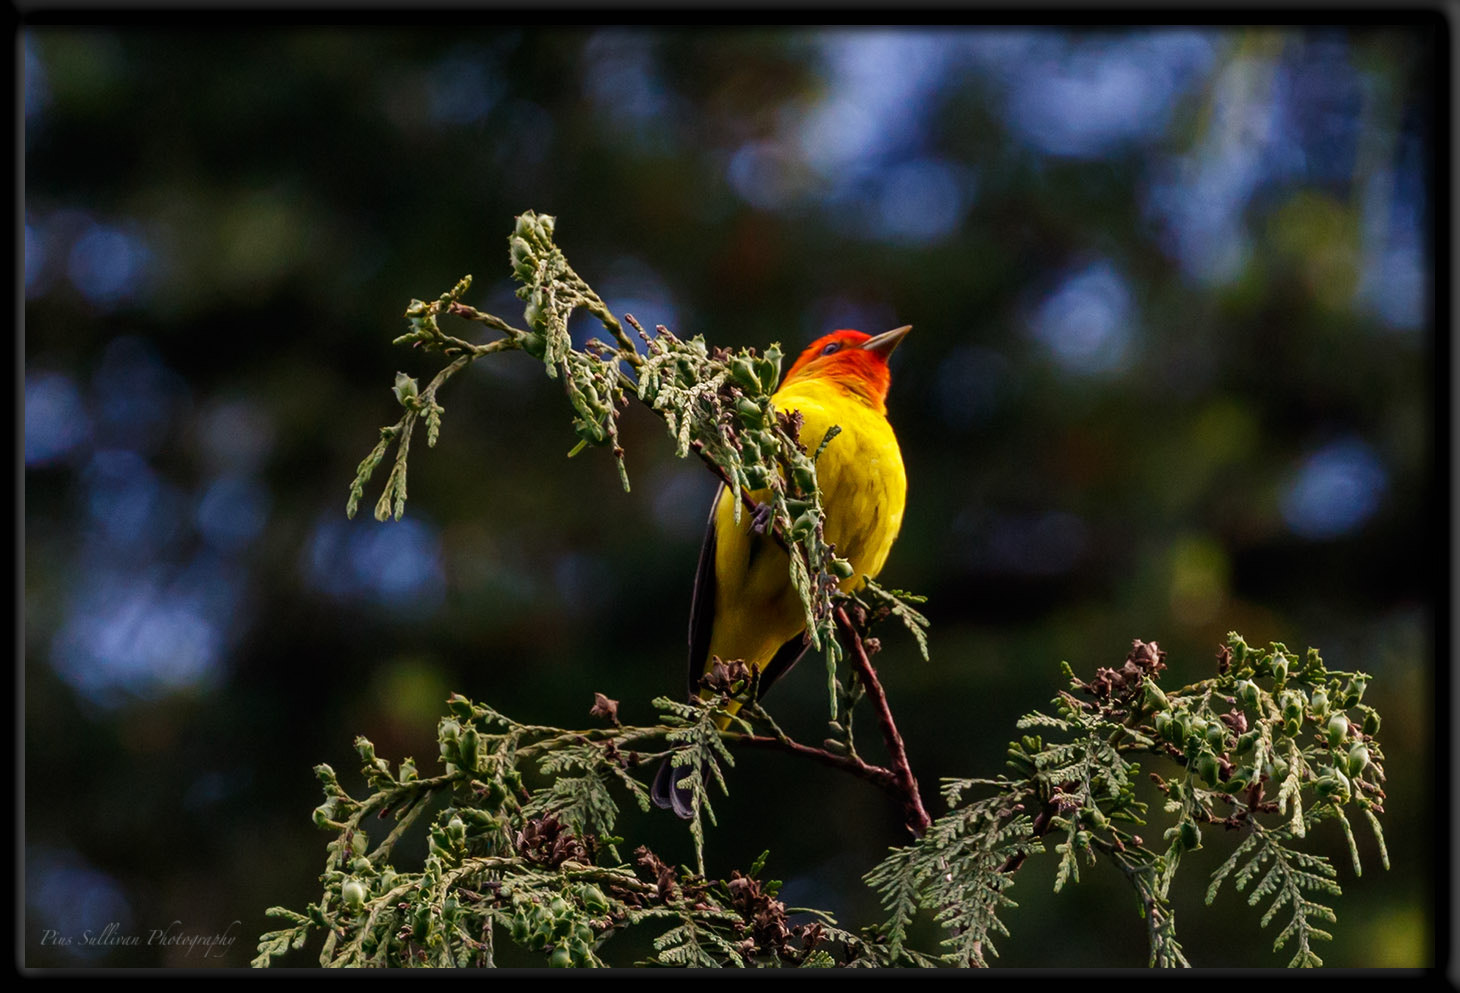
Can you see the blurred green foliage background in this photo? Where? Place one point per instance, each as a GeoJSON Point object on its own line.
{"type": "Point", "coordinates": [1170, 375]}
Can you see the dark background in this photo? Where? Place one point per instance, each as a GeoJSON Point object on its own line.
{"type": "Point", "coordinates": [1171, 374]}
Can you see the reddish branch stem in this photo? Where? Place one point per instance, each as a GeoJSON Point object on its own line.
{"type": "Point", "coordinates": [918, 820]}
{"type": "Point", "coordinates": [874, 774]}
{"type": "Point", "coordinates": [699, 449]}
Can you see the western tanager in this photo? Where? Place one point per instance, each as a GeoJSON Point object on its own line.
{"type": "Point", "coordinates": [744, 605]}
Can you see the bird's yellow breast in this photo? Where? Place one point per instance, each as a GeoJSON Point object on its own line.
{"type": "Point", "coordinates": [863, 490]}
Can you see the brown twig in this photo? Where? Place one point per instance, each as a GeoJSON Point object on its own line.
{"type": "Point", "coordinates": [698, 447]}
{"type": "Point", "coordinates": [875, 774]}
{"type": "Point", "coordinates": [1037, 829]}
{"type": "Point", "coordinates": [918, 820]}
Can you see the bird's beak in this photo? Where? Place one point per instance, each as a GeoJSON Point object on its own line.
{"type": "Point", "coordinates": [884, 343]}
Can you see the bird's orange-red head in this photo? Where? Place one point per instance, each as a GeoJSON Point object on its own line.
{"type": "Point", "coordinates": [853, 360]}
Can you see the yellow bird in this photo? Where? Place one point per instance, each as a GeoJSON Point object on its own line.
{"type": "Point", "coordinates": [744, 605]}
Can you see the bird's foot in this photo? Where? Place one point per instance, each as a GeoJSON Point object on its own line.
{"type": "Point", "coordinates": [760, 518]}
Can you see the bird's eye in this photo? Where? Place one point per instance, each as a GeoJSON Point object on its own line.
{"type": "Point", "coordinates": [833, 347]}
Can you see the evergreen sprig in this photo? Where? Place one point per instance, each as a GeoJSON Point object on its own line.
{"type": "Point", "coordinates": [957, 871]}
{"type": "Point", "coordinates": [519, 849]}
{"type": "Point", "coordinates": [714, 402]}
{"type": "Point", "coordinates": [520, 845]}
{"type": "Point", "coordinates": [520, 838]}
{"type": "Point", "coordinates": [1291, 874]}
{"type": "Point", "coordinates": [1270, 746]}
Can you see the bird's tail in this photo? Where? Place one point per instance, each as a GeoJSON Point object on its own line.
{"type": "Point", "coordinates": [668, 793]}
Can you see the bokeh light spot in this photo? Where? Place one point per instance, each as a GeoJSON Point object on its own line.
{"type": "Point", "coordinates": [879, 88]}
{"type": "Point", "coordinates": [130, 507]}
{"type": "Point", "coordinates": [67, 895]}
{"type": "Point", "coordinates": [763, 175]}
{"type": "Point", "coordinates": [56, 423]}
{"type": "Point", "coordinates": [108, 265]}
{"type": "Point", "coordinates": [232, 512]}
{"type": "Point", "coordinates": [633, 287]}
{"type": "Point", "coordinates": [1086, 322]}
{"type": "Point", "coordinates": [1335, 490]}
{"type": "Point", "coordinates": [236, 435]}
{"type": "Point", "coordinates": [922, 201]}
{"type": "Point", "coordinates": [139, 635]}
{"type": "Point", "coordinates": [1199, 579]}
{"type": "Point", "coordinates": [620, 78]}
{"type": "Point", "coordinates": [395, 564]}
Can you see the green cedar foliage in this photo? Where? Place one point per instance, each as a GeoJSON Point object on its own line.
{"type": "Point", "coordinates": [520, 834]}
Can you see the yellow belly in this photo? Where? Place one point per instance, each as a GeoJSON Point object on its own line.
{"type": "Point", "coordinates": [863, 490]}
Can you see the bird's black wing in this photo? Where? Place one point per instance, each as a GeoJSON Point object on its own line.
{"type": "Point", "coordinates": [702, 603]}
{"type": "Point", "coordinates": [702, 615]}
{"type": "Point", "coordinates": [786, 656]}
{"type": "Point", "coordinates": [665, 792]}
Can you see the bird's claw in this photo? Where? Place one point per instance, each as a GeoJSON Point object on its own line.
{"type": "Point", "coordinates": [760, 518]}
